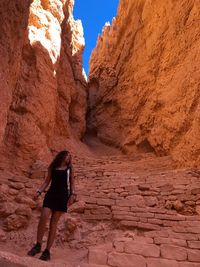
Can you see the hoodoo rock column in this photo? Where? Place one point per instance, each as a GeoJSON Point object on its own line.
{"type": "Point", "coordinates": [43, 87]}
{"type": "Point", "coordinates": [145, 80]}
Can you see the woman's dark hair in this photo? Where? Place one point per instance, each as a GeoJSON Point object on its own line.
{"type": "Point", "coordinates": [58, 159]}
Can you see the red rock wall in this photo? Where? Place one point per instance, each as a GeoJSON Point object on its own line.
{"type": "Point", "coordinates": [145, 79]}
{"type": "Point", "coordinates": [43, 89]}
{"type": "Point", "coordinates": [13, 32]}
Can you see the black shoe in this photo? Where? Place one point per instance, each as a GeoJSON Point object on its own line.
{"type": "Point", "coordinates": [45, 255]}
{"type": "Point", "coordinates": [35, 249]}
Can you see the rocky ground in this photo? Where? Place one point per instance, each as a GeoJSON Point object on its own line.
{"type": "Point", "coordinates": [138, 211]}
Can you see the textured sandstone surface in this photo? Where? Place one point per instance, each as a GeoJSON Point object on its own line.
{"type": "Point", "coordinates": [43, 88]}
{"type": "Point", "coordinates": [13, 32]}
{"type": "Point", "coordinates": [130, 210]}
{"type": "Point", "coordinates": [144, 79]}
{"type": "Point", "coordinates": [125, 213]}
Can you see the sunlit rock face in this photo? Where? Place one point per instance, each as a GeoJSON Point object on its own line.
{"type": "Point", "coordinates": [13, 25]}
{"type": "Point", "coordinates": [144, 79]}
{"type": "Point", "coordinates": [43, 88]}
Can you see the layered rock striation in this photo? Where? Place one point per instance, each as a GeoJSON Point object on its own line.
{"type": "Point", "coordinates": [43, 87]}
{"type": "Point", "coordinates": [144, 85]}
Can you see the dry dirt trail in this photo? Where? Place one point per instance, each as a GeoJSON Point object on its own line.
{"type": "Point", "coordinates": [137, 211]}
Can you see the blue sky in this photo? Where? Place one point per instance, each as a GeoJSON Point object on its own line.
{"type": "Point", "coordinates": [94, 14]}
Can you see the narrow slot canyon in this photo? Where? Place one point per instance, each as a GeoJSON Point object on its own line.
{"type": "Point", "coordinates": [132, 128]}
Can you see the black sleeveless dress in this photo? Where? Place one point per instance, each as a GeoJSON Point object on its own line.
{"type": "Point", "coordinates": [58, 193]}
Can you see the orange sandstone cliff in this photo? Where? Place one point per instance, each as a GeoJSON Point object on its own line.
{"type": "Point", "coordinates": [43, 87]}
{"type": "Point", "coordinates": [145, 79]}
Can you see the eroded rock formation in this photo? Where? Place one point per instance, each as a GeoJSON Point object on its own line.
{"type": "Point", "coordinates": [143, 94]}
{"type": "Point", "coordinates": [43, 88]}
{"type": "Point", "coordinates": [144, 79]}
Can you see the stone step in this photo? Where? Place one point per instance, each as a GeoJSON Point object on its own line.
{"type": "Point", "coordinates": [145, 252]}
{"type": "Point", "coordinates": [11, 260]}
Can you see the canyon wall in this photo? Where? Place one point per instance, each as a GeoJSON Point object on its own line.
{"type": "Point", "coordinates": [43, 87]}
{"type": "Point", "coordinates": [145, 79]}
{"type": "Point", "coordinates": [13, 32]}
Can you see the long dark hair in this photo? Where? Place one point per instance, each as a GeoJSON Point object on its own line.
{"type": "Point", "coordinates": [56, 162]}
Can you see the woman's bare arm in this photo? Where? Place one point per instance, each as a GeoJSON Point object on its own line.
{"type": "Point", "coordinates": [46, 182]}
{"type": "Point", "coordinates": [72, 183]}
{"type": "Point", "coordinates": [72, 195]}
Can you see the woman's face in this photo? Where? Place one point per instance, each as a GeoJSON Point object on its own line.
{"type": "Point", "coordinates": [67, 159]}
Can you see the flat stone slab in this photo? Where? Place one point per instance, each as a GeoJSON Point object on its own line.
{"type": "Point", "coordinates": [147, 250]}
{"type": "Point", "coordinates": [129, 260]}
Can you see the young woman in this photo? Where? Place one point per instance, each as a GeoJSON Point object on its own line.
{"type": "Point", "coordinates": [59, 195]}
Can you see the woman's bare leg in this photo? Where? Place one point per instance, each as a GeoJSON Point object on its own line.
{"type": "Point", "coordinates": [45, 213]}
{"type": "Point", "coordinates": [52, 228]}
